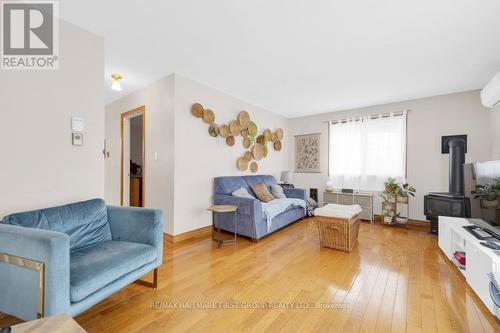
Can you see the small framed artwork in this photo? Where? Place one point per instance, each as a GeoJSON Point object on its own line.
{"type": "Point", "coordinates": [77, 139]}
{"type": "Point", "coordinates": [307, 153]}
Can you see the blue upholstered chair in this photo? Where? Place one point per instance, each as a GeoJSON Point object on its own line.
{"type": "Point", "coordinates": [250, 219]}
{"type": "Point", "coordinates": [66, 259]}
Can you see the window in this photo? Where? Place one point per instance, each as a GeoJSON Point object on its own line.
{"type": "Point", "coordinates": [365, 151]}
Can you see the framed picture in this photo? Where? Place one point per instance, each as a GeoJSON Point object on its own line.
{"type": "Point", "coordinates": [77, 139]}
{"type": "Point", "coordinates": [307, 153]}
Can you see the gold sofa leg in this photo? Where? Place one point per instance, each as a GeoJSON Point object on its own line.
{"type": "Point", "coordinates": [31, 264]}
{"type": "Point", "coordinates": [153, 284]}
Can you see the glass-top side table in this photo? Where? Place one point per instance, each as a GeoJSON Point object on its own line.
{"type": "Point", "coordinates": [217, 211]}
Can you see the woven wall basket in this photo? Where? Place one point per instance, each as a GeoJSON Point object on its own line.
{"type": "Point", "coordinates": [197, 110]}
{"type": "Point", "coordinates": [234, 128]}
{"type": "Point", "coordinates": [224, 131]}
{"type": "Point", "coordinates": [242, 164]}
{"type": "Point", "coordinates": [279, 133]}
{"type": "Point", "coordinates": [230, 140]}
{"type": "Point", "coordinates": [267, 134]}
{"type": "Point", "coordinates": [254, 167]}
{"type": "Point", "coordinates": [213, 130]}
{"type": "Point", "coordinates": [244, 119]}
{"type": "Point", "coordinates": [248, 156]}
{"type": "Point", "coordinates": [208, 116]}
{"type": "Point", "coordinates": [247, 142]}
{"type": "Point", "coordinates": [252, 129]}
{"type": "Point", "coordinates": [258, 151]}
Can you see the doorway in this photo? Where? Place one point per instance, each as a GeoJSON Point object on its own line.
{"type": "Point", "coordinates": [133, 157]}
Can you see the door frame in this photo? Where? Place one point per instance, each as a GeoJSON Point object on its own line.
{"type": "Point", "coordinates": [141, 110]}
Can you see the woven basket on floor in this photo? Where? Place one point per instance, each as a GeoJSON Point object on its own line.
{"type": "Point", "coordinates": [337, 233]}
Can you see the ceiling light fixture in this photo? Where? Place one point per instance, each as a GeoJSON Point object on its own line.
{"type": "Point", "coordinates": [116, 82]}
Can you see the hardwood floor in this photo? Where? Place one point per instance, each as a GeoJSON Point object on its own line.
{"type": "Point", "coordinates": [395, 280]}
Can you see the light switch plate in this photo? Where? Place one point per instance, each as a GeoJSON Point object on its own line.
{"type": "Point", "coordinates": [77, 124]}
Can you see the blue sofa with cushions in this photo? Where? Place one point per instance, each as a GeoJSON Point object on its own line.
{"type": "Point", "coordinates": [250, 218]}
{"type": "Point", "coordinates": [89, 251]}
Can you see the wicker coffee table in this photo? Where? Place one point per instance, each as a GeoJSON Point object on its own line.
{"type": "Point", "coordinates": [338, 228]}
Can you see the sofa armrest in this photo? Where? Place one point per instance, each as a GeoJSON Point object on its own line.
{"type": "Point", "coordinates": [137, 225]}
{"type": "Point", "coordinates": [249, 212]}
{"type": "Point", "coordinates": [298, 193]}
{"type": "Point", "coordinates": [16, 283]}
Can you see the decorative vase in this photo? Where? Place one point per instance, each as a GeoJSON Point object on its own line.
{"type": "Point", "coordinates": [329, 186]}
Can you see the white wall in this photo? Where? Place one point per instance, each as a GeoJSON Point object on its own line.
{"type": "Point", "coordinates": [39, 166]}
{"type": "Point", "coordinates": [199, 157]}
{"type": "Point", "coordinates": [175, 135]}
{"type": "Point", "coordinates": [429, 119]}
{"type": "Point", "coordinates": [159, 139]}
{"type": "Point", "coordinates": [495, 131]}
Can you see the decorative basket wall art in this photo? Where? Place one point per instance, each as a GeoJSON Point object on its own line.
{"type": "Point", "coordinates": [213, 130]}
{"type": "Point", "coordinates": [255, 144]}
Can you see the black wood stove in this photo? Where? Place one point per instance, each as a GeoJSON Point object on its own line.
{"type": "Point", "coordinates": [454, 202]}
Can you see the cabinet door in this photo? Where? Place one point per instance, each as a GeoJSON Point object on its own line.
{"type": "Point", "coordinates": [363, 201]}
{"type": "Point", "coordinates": [330, 197]}
{"type": "Point", "coordinates": [444, 239]}
{"type": "Point", "coordinates": [346, 199]}
{"type": "Point", "coordinates": [478, 264]}
{"type": "Point", "coordinates": [366, 214]}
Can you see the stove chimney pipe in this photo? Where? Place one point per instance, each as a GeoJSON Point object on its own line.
{"type": "Point", "coordinates": [457, 160]}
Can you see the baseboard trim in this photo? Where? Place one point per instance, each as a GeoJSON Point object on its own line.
{"type": "Point", "coordinates": [199, 233]}
{"type": "Point", "coordinates": [420, 223]}
{"type": "Point", "coordinates": [378, 218]}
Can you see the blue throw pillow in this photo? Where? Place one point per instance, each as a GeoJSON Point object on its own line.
{"type": "Point", "coordinates": [86, 222]}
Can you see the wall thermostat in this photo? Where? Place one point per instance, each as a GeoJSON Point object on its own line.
{"type": "Point", "coordinates": [77, 124]}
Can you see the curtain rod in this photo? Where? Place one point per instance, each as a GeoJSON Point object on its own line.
{"type": "Point", "coordinates": [370, 116]}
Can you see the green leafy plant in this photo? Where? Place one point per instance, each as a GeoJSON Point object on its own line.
{"type": "Point", "coordinates": [391, 186]}
{"type": "Point", "coordinates": [384, 197]}
{"type": "Point", "coordinates": [488, 192]}
{"type": "Point", "coordinates": [405, 189]}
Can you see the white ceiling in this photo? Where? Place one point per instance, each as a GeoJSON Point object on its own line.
{"type": "Point", "coordinates": [299, 57]}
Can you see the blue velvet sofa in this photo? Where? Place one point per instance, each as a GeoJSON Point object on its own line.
{"type": "Point", "coordinates": [87, 251]}
{"type": "Point", "coordinates": [250, 219]}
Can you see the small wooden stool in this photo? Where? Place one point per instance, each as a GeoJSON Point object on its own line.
{"type": "Point", "coordinates": [217, 210]}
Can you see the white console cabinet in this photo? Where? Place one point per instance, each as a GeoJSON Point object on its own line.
{"type": "Point", "coordinates": [479, 259]}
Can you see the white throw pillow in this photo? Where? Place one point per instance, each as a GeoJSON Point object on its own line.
{"type": "Point", "coordinates": [277, 191]}
{"type": "Point", "coordinates": [242, 193]}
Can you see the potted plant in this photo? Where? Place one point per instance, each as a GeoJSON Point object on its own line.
{"type": "Point", "coordinates": [391, 188]}
{"type": "Point", "coordinates": [402, 192]}
{"type": "Point", "coordinates": [488, 194]}
{"type": "Point", "coordinates": [387, 208]}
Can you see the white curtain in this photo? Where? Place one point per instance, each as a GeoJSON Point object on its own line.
{"type": "Point", "coordinates": [365, 151]}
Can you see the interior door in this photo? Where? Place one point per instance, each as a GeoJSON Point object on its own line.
{"type": "Point", "coordinates": [126, 162]}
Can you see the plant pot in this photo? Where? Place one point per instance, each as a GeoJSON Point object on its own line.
{"type": "Point", "coordinates": [388, 219]}
{"type": "Point", "coordinates": [402, 220]}
{"type": "Point", "coordinates": [402, 199]}
{"type": "Point", "coordinates": [489, 203]}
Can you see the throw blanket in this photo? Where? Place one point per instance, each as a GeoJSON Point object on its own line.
{"type": "Point", "coordinates": [275, 207]}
